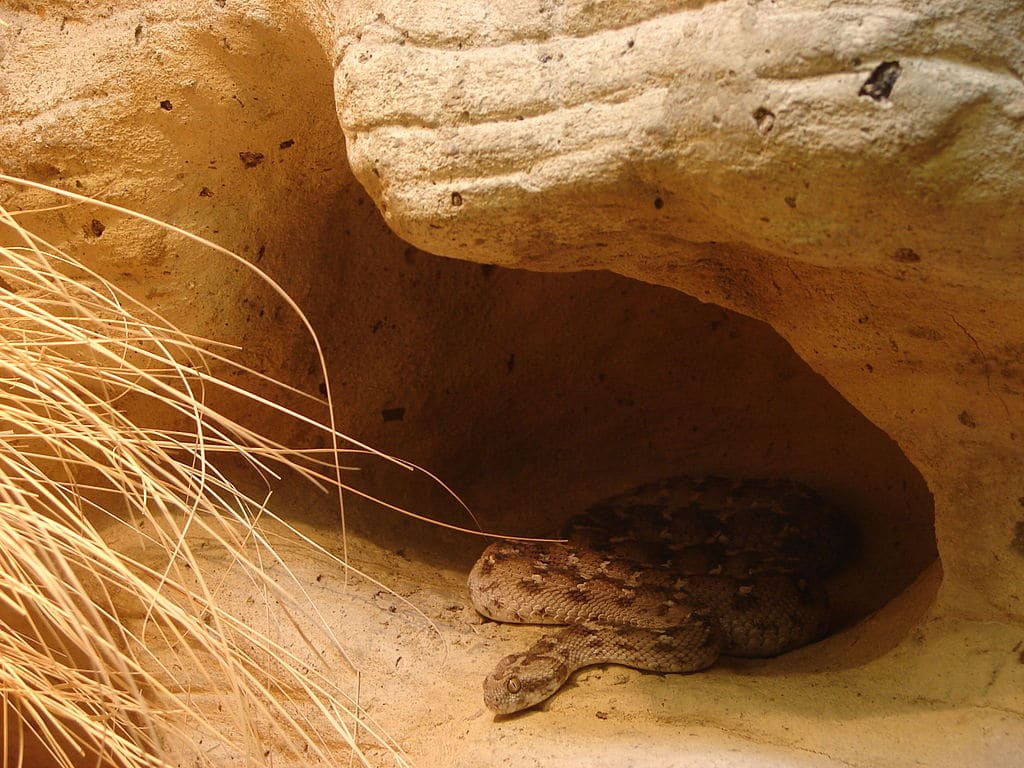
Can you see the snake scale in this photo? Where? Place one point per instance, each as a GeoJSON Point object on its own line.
{"type": "Point", "coordinates": [665, 577]}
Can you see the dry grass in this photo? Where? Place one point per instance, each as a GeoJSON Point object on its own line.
{"type": "Point", "coordinates": [105, 660]}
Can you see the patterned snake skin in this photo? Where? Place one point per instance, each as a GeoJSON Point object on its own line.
{"type": "Point", "coordinates": [664, 578]}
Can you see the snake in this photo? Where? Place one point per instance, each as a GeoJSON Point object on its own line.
{"type": "Point", "coordinates": [666, 577]}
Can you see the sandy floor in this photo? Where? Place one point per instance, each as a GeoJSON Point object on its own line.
{"type": "Point", "coordinates": [830, 704]}
{"type": "Point", "coordinates": [866, 697]}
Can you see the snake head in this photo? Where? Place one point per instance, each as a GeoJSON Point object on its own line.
{"type": "Point", "coordinates": [523, 680]}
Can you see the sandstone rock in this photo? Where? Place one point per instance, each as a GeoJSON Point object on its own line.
{"type": "Point", "coordinates": [843, 182]}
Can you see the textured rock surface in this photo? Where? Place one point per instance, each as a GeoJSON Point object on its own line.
{"type": "Point", "coordinates": [719, 149]}
{"type": "Point", "coordinates": [676, 126]}
{"type": "Point", "coordinates": [729, 150]}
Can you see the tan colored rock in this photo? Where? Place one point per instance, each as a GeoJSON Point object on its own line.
{"type": "Point", "coordinates": [730, 122]}
{"type": "Point", "coordinates": [848, 174]}
{"type": "Point", "coordinates": [722, 150]}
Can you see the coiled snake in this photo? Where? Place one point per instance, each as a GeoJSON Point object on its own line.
{"type": "Point", "coordinates": [665, 578]}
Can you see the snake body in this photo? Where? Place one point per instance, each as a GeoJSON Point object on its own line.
{"type": "Point", "coordinates": [665, 578]}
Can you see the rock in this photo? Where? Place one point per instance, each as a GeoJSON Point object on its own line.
{"type": "Point", "coordinates": [850, 175]}
{"type": "Point", "coordinates": [820, 210]}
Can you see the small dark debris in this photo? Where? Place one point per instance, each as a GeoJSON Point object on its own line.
{"type": "Point", "coordinates": [288, 144]}
{"type": "Point", "coordinates": [510, 364]}
{"type": "Point", "coordinates": [39, 171]}
{"type": "Point", "coordinates": [765, 119]}
{"type": "Point", "coordinates": [456, 199]}
{"type": "Point", "coordinates": [790, 201]}
{"type": "Point", "coordinates": [393, 414]}
{"type": "Point", "coordinates": [205, 192]}
{"type": "Point", "coordinates": [881, 80]}
{"type": "Point", "coordinates": [863, 319]}
{"type": "Point", "coordinates": [166, 105]}
{"type": "Point", "coordinates": [487, 269]}
{"type": "Point", "coordinates": [377, 326]}
{"type": "Point", "coordinates": [138, 34]}
{"type": "Point", "coordinates": [319, 577]}
{"type": "Point", "coordinates": [1017, 543]}
{"type": "Point", "coordinates": [601, 715]}
{"type": "Point", "coordinates": [966, 419]}
{"type": "Point", "coordinates": [659, 203]}
{"type": "Point", "coordinates": [261, 252]}
{"type": "Point", "coordinates": [220, 3]}
{"type": "Point", "coordinates": [96, 228]}
{"type": "Point", "coordinates": [925, 333]}
{"type": "Point", "coordinates": [250, 159]}
{"type": "Point", "coordinates": [906, 256]}
{"type": "Point", "coordinates": [869, 367]}
{"type": "Point", "coordinates": [322, 388]}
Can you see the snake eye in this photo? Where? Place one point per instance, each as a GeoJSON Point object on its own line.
{"type": "Point", "coordinates": [512, 685]}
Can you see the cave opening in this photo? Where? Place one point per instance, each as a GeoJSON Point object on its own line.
{"type": "Point", "coordinates": [535, 395]}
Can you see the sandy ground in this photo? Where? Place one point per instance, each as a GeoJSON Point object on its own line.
{"type": "Point", "coordinates": [423, 652]}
